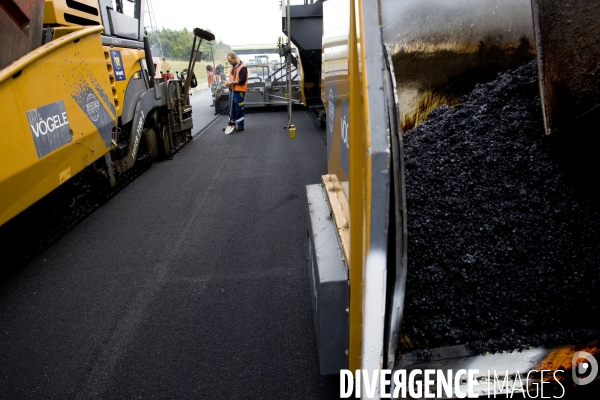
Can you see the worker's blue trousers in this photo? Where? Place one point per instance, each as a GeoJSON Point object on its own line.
{"type": "Point", "coordinates": [237, 109]}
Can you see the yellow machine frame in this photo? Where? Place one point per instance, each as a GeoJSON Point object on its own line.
{"type": "Point", "coordinates": [59, 72]}
{"type": "Point", "coordinates": [356, 190]}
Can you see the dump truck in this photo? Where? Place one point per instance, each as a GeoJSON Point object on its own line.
{"type": "Point", "coordinates": [409, 270]}
{"type": "Point", "coordinates": [79, 92]}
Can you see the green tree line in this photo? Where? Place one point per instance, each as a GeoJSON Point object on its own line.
{"type": "Point", "coordinates": [177, 44]}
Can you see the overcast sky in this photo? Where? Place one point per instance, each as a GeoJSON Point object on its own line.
{"type": "Point", "coordinates": [233, 21]}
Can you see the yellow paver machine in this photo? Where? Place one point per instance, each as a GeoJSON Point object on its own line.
{"type": "Point", "coordinates": [78, 92]}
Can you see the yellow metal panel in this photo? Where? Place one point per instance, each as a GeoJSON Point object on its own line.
{"type": "Point", "coordinates": [130, 59]}
{"type": "Point", "coordinates": [69, 72]}
{"type": "Point", "coordinates": [342, 94]}
{"type": "Point", "coordinates": [366, 128]}
{"type": "Point", "coordinates": [335, 88]}
{"type": "Point", "coordinates": [357, 197]}
{"type": "Point", "coordinates": [49, 13]}
{"type": "Point", "coordinates": [60, 32]}
{"type": "Point", "coordinates": [57, 12]}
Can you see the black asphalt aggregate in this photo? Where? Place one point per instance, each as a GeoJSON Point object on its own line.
{"type": "Point", "coordinates": [516, 255]}
{"type": "Point", "coordinates": [191, 283]}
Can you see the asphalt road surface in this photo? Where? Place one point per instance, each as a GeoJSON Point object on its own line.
{"type": "Point", "coordinates": [203, 114]}
{"type": "Point", "coordinates": [191, 283]}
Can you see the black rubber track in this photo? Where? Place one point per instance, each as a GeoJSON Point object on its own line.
{"type": "Point", "coordinates": [191, 283]}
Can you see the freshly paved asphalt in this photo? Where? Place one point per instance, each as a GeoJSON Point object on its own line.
{"type": "Point", "coordinates": [191, 283]}
{"type": "Point", "coordinates": [203, 114]}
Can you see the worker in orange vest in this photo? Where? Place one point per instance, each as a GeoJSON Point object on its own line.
{"type": "Point", "coordinates": [209, 74]}
{"type": "Point", "coordinates": [212, 76]}
{"type": "Point", "coordinates": [213, 81]}
{"type": "Point", "coordinates": [237, 84]}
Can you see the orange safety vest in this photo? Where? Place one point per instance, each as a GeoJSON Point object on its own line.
{"type": "Point", "coordinates": [234, 73]}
